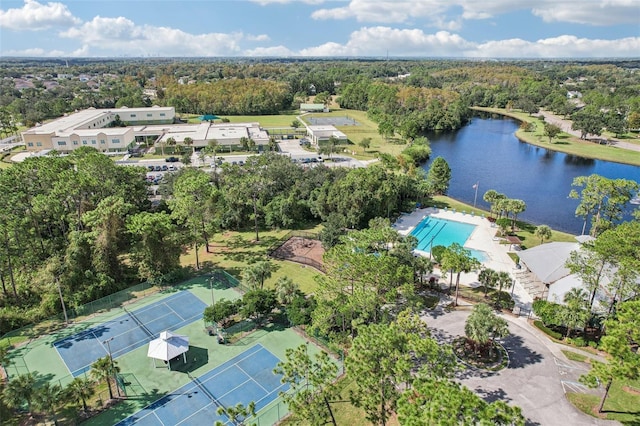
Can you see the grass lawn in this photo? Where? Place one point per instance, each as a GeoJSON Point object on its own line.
{"type": "Point", "coordinates": [575, 356]}
{"type": "Point", "coordinates": [525, 232]}
{"type": "Point", "coordinates": [622, 404]}
{"type": "Point", "coordinates": [567, 143]}
{"type": "Point", "coordinates": [280, 120]}
{"type": "Point", "coordinates": [233, 251]}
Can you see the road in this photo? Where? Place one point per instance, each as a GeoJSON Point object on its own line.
{"type": "Point", "coordinates": [565, 125]}
{"type": "Point", "coordinates": [536, 378]}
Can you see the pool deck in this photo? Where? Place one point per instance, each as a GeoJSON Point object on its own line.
{"type": "Point", "coordinates": [483, 238]}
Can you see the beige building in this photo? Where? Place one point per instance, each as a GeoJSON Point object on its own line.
{"type": "Point", "coordinates": [89, 128]}
{"type": "Point", "coordinates": [227, 134]}
{"type": "Point", "coordinates": [322, 134]}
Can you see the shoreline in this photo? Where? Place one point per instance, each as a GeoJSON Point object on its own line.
{"type": "Point", "coordinates": [555, 147]}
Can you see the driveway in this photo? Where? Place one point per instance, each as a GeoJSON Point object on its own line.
{"type": "Point", "coordinates": [535, 379]}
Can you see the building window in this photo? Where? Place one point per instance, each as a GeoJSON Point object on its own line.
{"type": "Point", "coordinates": [38, 143]}
{"type": "Point", "coordinates": [84, 142]}
{"type": "Point", "coordinates": [102, 142]}
{"type": "Point", "coordinates": [93, 141]}
{"type": "Point", "coordinates": [149, 115]}
{"type": "Point", "coordinates": [30, 144]}
{"type": "Point", "coordinates": [115, 140]}
{"type": "Point", "coordinates": [75, 142]}
{"type": "Point", "coordinates": [133, 115]}
{"type": "Point", "coordinates": [61, 143]}
{"type": "Point", "coordinates": [162, 114]}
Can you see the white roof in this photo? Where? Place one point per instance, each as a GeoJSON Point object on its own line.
{"type": "Point", "coordinates": [168, 346]}
{"type": "Point", "coordinates": [547, 261]}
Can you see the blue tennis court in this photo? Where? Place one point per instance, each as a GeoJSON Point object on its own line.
{"type": "Point", "coordinates": [129, 331]}
{"type": "Point", "coordinates": [245, 378]}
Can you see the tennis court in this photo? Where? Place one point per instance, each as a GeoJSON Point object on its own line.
{"type": "Point", "coordinates": [129, 331]}
{"type": "Point", "coordinates": [247, 377]}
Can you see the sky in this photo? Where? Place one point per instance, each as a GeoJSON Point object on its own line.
{"type": "Point", "coordinates": [321, 28]}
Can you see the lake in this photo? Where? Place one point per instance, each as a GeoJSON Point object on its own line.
{"type": "Point", "coordinates": [487, 152]}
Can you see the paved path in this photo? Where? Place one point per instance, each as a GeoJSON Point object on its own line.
{"type": "Point", "coordinates": [535, 380]}
{"type": "Point", "coordinates": [565, 125]}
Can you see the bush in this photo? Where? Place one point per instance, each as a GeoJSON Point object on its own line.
{"type": "Point", "coordinates": [577, 341]}
{"type": "Point", "coordinates": [593, 344]}
{"type": "Point", "coordinates": [547, 331]}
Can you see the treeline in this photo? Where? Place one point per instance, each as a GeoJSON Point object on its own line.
{"type": "Point", "coordinates": [85, 225]}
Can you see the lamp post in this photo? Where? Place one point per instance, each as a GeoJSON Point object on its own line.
{"type": "Point", "coordinates": [213, 299]}
{"type": "Point", "coordinates": [113, 370]}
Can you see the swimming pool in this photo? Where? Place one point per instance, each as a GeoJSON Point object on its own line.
{"type": "Point", "coordinates": [433, 231]}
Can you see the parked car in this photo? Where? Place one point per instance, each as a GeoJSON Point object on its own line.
{"type": "Point", "coordinates": [172, 168]}
{"type": "Point", "coordinates": [165, 168]}
{"type": "Point", "coordinates": [172, 159]}
{"type": "Point", "coordinates": [157, 168]}
{"type": "Point", "coordinates": [151, 168]}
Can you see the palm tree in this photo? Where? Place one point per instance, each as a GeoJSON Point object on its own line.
{"type": "Point", "coordinates": [488, 278]}
{"type": "Point", "coordinates": [188, 142]}
{"type": "Point", "coordinates": [171, 141]}
{"type": "Point", "coordinates": [48, 398]}
{"type": "Point", "coordinates": [543, 232]}
{"type": "Point", "coordinates": [576, 312]}
{"type": "Point", "coordinates": [20, 391]}
{"type": "Point", "coordinates": [286, 290]}
{"type": "Point", "coordinates": [162, 143]}
{"type": "Point", "coordinates": [483, 326]}
{"type": "Point", "coordinates": [79, 390]}
{"type": "Point", "coordinates": [104, 369]}
{"type": "Point", "coordinates": [255, 275]}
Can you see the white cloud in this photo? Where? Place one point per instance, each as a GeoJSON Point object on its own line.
{"type": "Point", "coordinates": [564, 46]}
{"type": "Point", "coordinates": [274, 51]}
{"type": "Point", "coordinates": [441, 13]}
{"type": "Point", "coordinates": [260, 37]}
{"type": "Point", "coordinates": [37, 16]}
{"type": "Point", "coordinates": [378, 41]}
{"type": "Point", "coordinates": [121, 35]}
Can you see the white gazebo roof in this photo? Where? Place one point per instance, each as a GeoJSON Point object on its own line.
{"type": "Point", "coordinates": [168, 346]}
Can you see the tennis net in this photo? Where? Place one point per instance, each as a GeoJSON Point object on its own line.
{"type": "Point", "coordinates": [140, 324]}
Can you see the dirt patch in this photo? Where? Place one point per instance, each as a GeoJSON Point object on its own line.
{"type": "Point", "coordinates": [632, 391]}
{"type": "Point", "coordinates": [301, 250]}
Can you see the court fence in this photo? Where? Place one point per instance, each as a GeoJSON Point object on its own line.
{"type": "Point", "coordinates": [273, 250]}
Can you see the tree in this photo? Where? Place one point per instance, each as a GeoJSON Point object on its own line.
{"type": "Point", "coordinates": [171, 141]}
{"type": "Point", "coordinates": [329, 147]}
{"type": "Point", "coordinates": [295, 124]}
{"type": "Point", "coordinates": [220, 312]}
{"type": "Point", "coordinates": [439, 176]}
{"type": "Point", "coordinates": [105, 369]}
{"type": "Point", "coordinates": [312, 383]}
{"type": "Point", "coordinates": [383, 356]}
{"type": "Point", "coordinates": [239, 414]}
{"type": "Point", "coordinates": [483, 326]}
{"type": "Point", "coordinates": [602, 200]}
{"type": "Point", "coordinates": [48, 398]}
{"type": "Point", "coordinates": [588, 122]}
{"type": "Point", "coordinates": [488, 278]}
{"type": "Point", "coordinates": [212, 148]}
{"type": "Point", "coordinates": [365, 143]}
{"type": "Point", "coordinates": [551, 131]}
{"type": "Point", "coordinates": [254, 275]}
{"type": "Point", "coordinates": [543, 232]}
{"type": "Point", "coordinates": [300, 309]}
{"type": "Point", "coordinates": [20, 391]}
{"type": "Point", "coordinates": [437, 401]}
{"type": "Point", "coordinates": [620, 342]}
{"type": "Point", "coordinates": [576, 312]}
{"type": "Point", "coordinates": [286, 290]}
{"type": "Point", "coordinates": [80, 390]}
{"type": "Point", "coordinates": [457, 260]}
{"type": "Point", "coordinates": [156, 249]}
{"type": "Point", "coordinates": [188, 141]}
{"type": "Point", "coordinates": [258, 303]}
{"type": "Point", "coordinates": [493, 197]}
{"type": "Point", "coordinates": [590, 266]}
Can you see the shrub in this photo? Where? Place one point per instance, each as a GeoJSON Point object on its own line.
{"type": "Point", "coordinates": [593, 344]}
{"type": "Point", "coordinates": [547, 331]}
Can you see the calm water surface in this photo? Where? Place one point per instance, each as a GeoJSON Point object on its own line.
{"type": "Point", "coordinates": [487, 152]}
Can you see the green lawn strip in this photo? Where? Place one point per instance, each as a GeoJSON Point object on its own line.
{"type": "Point", "coordinates": [567, 143]}
{"type": "Point", "coordinates": [573, 356]}
{"type": "Point", "coordinates": [266, 121]}
{"type": "Point", "coordinates": [621, 404]}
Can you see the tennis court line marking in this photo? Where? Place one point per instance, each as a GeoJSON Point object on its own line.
{"type": "Point", "coordinates": [172, 310]}
{"type": "Point", "coordinates": [156, 416]}
{"type": "Point", "coordinates": [251, 378]}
